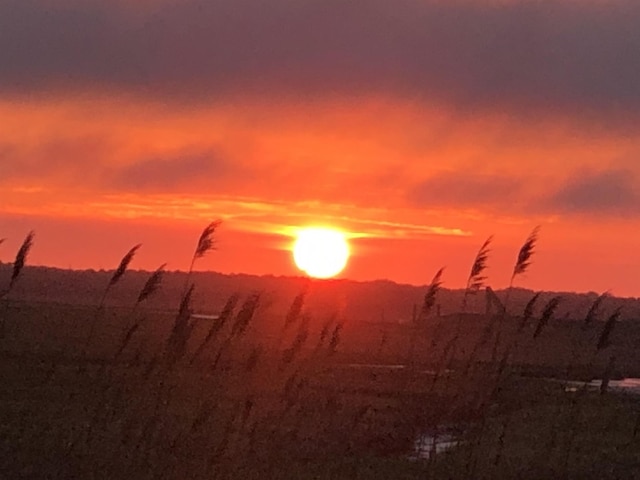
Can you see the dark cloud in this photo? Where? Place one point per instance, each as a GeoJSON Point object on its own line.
{"type": "Point", "coordinates": [77, 159]}
{"type": "Point", "coordinates": [459, 189]}
{"type": "Point", "coordinates": [87, 162]}
{"type": "Point", "coordinates": [186, 170]}
{"type": "Point", "coordinates": [614, 192]}
{"type": "Point", "coordinates": [547, 54]}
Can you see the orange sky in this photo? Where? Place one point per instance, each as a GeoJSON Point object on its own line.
{"type": "Point", "coordinates": [418, 155]}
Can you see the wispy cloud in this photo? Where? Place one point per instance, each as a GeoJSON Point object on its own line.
{"type": "Point", "coordinates": [247, 214]}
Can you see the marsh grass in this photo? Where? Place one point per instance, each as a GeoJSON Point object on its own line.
{"type": "Point", "coordinates": [262, 394]}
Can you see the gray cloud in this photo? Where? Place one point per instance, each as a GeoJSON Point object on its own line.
{"type": "Point", "coordinates": [611, 192]}
{"type": "Point", "coordinates": [459, 189]}
{"type": "Point", "coordinates": [88, 162]}
{"type": "Point", "coordinates": [78, 159]}
{"type": "Point", "coordinates": [191, 170]}
{"type": "Point", "coordinates": [536, 55]}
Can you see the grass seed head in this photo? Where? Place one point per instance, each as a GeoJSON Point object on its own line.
{"type": "Point", "coordinates": [547, 313]}
{"type": "Point", "coordinates": [124, 265]}
{"type": "Point", "coordinates": [295, 309]}
{"type": "Point", "coordinates": [528, 310]}
{"type": "Point", "coordinates": [206, 242]}
{"type": "Point", "coordinates": [432, 291]}
{"type": "Point", "coordinates": [153, 284]}
{"type": "Point", "coordinates": [245, 315]}
{"type": "Point", "coordinates": [526, 252]}
{"type": "Point", "coordinates": [605, 336]}
{"type": "Point", "coordinates": [592, 314]}
{"type": "Point", "coordinates": [21, 258]}
{"type": "Point", "coordinates": [476, 277]}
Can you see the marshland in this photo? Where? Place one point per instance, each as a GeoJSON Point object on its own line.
{"type": "Point", "coordinates": [162, 375]}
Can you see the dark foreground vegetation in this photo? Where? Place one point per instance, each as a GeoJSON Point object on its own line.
{"type": "Point", "coordinates": [259, 391]}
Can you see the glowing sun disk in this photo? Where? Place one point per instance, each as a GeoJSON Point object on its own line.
{"type": "Point", "coordinates": [321, 252]}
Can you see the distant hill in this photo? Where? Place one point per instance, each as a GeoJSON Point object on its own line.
{"type": "Point", "coordinates": [375, 301]}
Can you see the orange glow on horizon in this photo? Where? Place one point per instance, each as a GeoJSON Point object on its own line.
{"type": "Point", "coordinates": [419, 185]}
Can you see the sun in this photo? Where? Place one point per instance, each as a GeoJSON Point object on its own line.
{"type": "Point", "coordinates": [321, 252]}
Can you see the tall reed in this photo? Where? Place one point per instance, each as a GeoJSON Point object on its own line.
{"type": "Point", "coordinates": [430, 296]}
{"type": "Point", "coordinates": [428, 302]}
{"type": "Point", "coordinates": [18, 266]}
{"type": "Point", "coordinates": [176, 345]}
{"type": "Point", "coordinates": [151, 286]}
{"type": "Point", "coordinates": [19, 262]}
{"type": "Point", "coordinates": [206, 243]}
{"type": "Point", "coordinates": [115, 278]}
{"type": "Point", "coordinates": [475, 282]}
{"type": "Point", "coordinates": [477, 277]}
{"type": "Point", "coordinates": [604, 341]}
{"type": "Point", "coordinates": [523, 262]}
{"type": "Point", "coordinates": [181, 330]}
{"type": "Point", "coordinates": [217, 326]}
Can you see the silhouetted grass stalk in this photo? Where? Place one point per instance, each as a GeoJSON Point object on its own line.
{"type": "Point", "coordinates": [604, 340]}
{"type": "Point", "coordinates": [217, 326]}
{"type": "Point", "coordinates": [150, 287]}
{"type": "Point", "coordinates": [475, 282]}
{"type": "Point", "coordinates": [18, 265]}
{"type": "Point", "coordinates": [523, 263]}
{"type": "Point", "coordinates": [206, 243]}
{"type": "Point", "coordinates": [115, 278]}
{"type": "Point", "coordinates": [428, 303]}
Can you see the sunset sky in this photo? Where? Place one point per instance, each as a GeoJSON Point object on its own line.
{"type": "Point", "coordinates": [420, 127]}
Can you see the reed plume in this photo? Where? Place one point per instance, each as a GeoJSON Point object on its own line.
{"type": "Point", "coordinates": [432, 291]}
{"type": "Point", "coordinates": [526, 252]}
{"type": "Point", "coordinates": [522, 264]}
{"type": "Point", "coordinates": [477, 278]}
{"type": "Point", "coordinates": [324, 333]}
{"type": "Point", "coordinates": [592, 314]}
{"type": "Point", "coordinates": [115, 278]}
{"type": "Point", "coordinates": [21, 259]}
{"type": "Point", "coordinates": [152, 285]}
{"type": "Point", "coordinates": [181, 331]}
{"type": "Point", "coordinates": [604, 340]}
{"type": "Point", "coordinates": [295, 309]}
{"type": "Point", "coordinates": [290, 353]}
{"type": "Point", "coordinates": [206, 241]}
{"type": "Point", "coordinates": [126, 339]}
{"type": "Point", "coordinates": [547, 313]}
{"type": "Point", "coordinates": [124, 265]}
{"type": "Point", "coordinates": [528, 311]}
{"type": "Point", "coordinates": [245, 315]}
{"type": "Point", "coordinates": [217, 325]}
